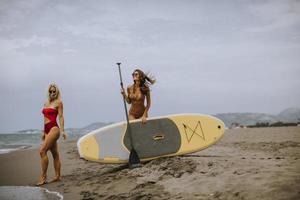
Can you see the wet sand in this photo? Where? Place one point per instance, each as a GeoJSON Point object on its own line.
{"type": "Point", "coordinates": [258, 163]}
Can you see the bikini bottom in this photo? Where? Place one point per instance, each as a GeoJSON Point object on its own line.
{"type": "Point", "coordinates": [49, 126]}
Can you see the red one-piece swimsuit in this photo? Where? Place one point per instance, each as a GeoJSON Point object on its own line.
{"type": "Point", "coordinates": [51, 114]}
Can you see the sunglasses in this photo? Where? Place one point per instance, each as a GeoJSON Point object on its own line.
{"type": "Point", "coordinates": [52, 91]}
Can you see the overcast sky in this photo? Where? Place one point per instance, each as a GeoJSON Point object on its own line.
{"type": "Point", "coordinates": [208, 57]}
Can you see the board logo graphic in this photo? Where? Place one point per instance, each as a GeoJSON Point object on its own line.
{"type": "Point", "coordinates": [189, 132]}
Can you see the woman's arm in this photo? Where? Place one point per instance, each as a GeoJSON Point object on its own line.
{"type": "Point", "coordinates": [61, 119]}
{"type": "Point", "coordinates": [126, 97]}
{"type": "Point", "coordinates": [128, 100]}
{"type": "Point", "coordinates": [145, 115]}
{"type": "Point", "coordinates": [43, 136]}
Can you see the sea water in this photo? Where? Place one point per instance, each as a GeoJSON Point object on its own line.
{"type": "Point", "coordinates": [27, 193]}
{"type": "Point", "coordinates": [15, 141]}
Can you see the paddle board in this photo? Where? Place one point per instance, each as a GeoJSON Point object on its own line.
{"type": "Point", "coordinates": [159, 137]}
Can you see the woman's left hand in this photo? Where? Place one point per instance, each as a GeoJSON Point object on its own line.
{"type": "Point", "coordinates": [144, 119]}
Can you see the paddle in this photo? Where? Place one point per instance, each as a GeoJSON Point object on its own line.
{"type": "Point", "coordinates": [134, 160]}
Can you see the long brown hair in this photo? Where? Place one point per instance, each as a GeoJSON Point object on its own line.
{"type": "Point", "coordinates": [146, 80]}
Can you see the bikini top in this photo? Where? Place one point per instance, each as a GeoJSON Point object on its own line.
{"type": "Point", "coordinates": [50, 113]}
{"type": "Point", "coordinates": [136, 96]}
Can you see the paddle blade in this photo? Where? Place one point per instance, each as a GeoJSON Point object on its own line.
{"type": "Point", "coordinates": [134, 160]}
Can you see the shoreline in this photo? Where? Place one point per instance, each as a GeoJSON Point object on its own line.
{"type": "Point", "coordinates": [28, 193]}
{"type": "Point", "coordinates": [12, 148]}
{"type": "Point", "coordinates": [256, 163]}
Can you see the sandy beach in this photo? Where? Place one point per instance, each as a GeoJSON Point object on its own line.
{"type": "Point", "coordinates": [258, 163]}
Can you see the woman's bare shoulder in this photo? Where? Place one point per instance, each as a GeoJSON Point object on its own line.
{"type": "Point", "coordinates": [59, 102]}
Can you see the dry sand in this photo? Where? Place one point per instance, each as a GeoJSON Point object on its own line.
{"type": "Point", "coordinates": [258, 163]}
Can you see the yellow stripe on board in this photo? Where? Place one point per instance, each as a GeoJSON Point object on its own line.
{"type": "Point", "coordinates": [89, 148]}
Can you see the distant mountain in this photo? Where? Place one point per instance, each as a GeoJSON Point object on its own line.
{"type": "Point", "coordinates": [95, 125]}
{"type": "Point", "coordinates": [230, 119]}
{"type": "Point", "coordinates": [290, 115]}
{"type": "Point", "coordinates": [245, 119]}
{"type": "Point", "coordinates": [88, 128]}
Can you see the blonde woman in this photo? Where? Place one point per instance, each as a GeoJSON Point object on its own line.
{"type": "Point", "coordinates": [52, 108]}
{"type": "Point", "coordinates": [138, 92]}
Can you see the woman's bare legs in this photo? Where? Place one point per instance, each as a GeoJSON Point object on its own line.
{"type": "Point", "coordinates": [56, 162]}
{"type": "Point", "coordinates": [49, 141]}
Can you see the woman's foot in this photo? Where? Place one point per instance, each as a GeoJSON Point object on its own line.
{"type": "Point", "coordinates": [43, 181]}
{"type": "Point", "coordinates": [55, 179]}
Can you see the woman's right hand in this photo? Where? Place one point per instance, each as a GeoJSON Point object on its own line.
{"type": "Point", "coordinates": [124, 95]}
{"type": "Point", "coordinates": [43, 136]}
{"type": "Point", "coordinates": [123, 92]}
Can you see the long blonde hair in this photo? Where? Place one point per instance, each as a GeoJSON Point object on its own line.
{"type": "Point", "coordinates": [58, 96]}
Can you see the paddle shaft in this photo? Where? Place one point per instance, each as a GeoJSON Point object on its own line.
{"type": "Point", "coordinates": [121, 83]}
{"type": "Point", "coordinates": [125, 106]}
{"type": "Point", "coordinates": [134, 160]}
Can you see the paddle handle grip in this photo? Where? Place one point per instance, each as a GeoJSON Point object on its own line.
{"type": "Point", "coordinates": [120, 74]}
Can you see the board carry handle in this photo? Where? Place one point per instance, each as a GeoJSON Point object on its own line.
{"type": "Point", "coordinates": [159, 137]}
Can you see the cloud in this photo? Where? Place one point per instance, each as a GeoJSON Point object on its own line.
{"type": "Point", "coordinates": [275, 15]}
{"type": "Point", "coordinates": [71, 51]}
{"type": "Point", "coordinates": [34, 40]}
{"type": "Point", "coordinates": [100, 31]}
{"type": "Point", "coordinates": [202, 53]}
